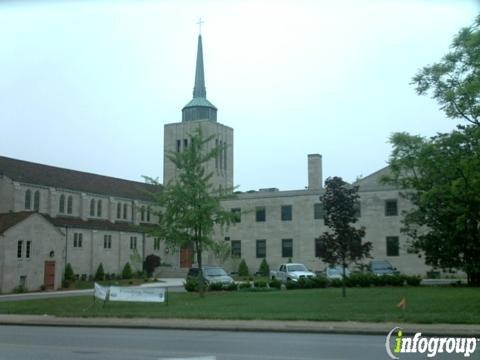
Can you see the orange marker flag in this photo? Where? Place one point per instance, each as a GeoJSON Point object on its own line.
{"type": "Point", "coordinates": [402, 304]}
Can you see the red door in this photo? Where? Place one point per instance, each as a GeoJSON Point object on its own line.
{"type": "Point", "coordinates": [49, 277]}
{"type": "Point", "coordinates": [186, 257]}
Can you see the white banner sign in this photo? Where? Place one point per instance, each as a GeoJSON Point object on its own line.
{"type": "Point", "coordinates": [132, 293]}
{"type": "Point", "coordinates": [143, 294]}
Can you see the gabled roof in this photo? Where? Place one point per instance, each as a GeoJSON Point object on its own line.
{"type": "Point", "coordinates": [8, 220]}
{"type": "Point", "coordinates": [33, 173]}
{"type": "Point", "coordinates": [94, 224]}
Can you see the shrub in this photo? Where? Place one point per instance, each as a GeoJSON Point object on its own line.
{"type": "Point", "coordinates": [379, 280]}
{"type": "Point", "coordinates": [320, 282]}
{"type": "Point", "coordinates": [99, 274]}
{"type": "Point", "coordinates": [66, 284]}
{"type": "Point", "coordinates": [151, 262]}
{"type": "Point", "coordinates": [275, 284]}
{"type": "Point", "coordinates": [19, 289]}
{"type": "Point", "coordinates": [335, 283]}
{"type": "Point", "coordinates": [191, 284]}
{"type": "Point", "coordinates": [243, 268]}
{"type": "Point", "coordinates": [394, 280]}
{"type": "Point", "coordinates": [292, 285]}
{"type": "Point", "coordinates": [68, 275]}
{"type": "Point", "coordinates": [231, 287]}
{"type": "Point", "coordinates": [127, 271]}
{"type": "Point", "coordinates": [305, 283]}
{"type": "Point", "coordinates": [413, 280]}
{"type": "Point", "coordinates": [260, 284]}
{"type": "Point", "coordinates": [245, 285]}
{"type": "Point", "coordinates": [215, 286]}
{"type": "Point", "coordinates": [359, 279]}
{"type": "Point", "coordinates": [264, 269]}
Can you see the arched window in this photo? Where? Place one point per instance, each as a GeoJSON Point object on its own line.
{"type": "Point", "coordinates": [28, 199]}
{"type": "Point", "coordinates": [69, 204]}
{"type": "Point", "coordinates": [142, 213]}
{"type": "Point", "coordinates": [99, 208]}
{"type": "Point", "coordinates": [36, 201]}
{"type": "Point", "coordinates": [61, 205]}
{"type": "Point", "coordinates": [119, 211]}
{"type": "Point", "coordinates": [148, 214]}
{"type": "Point", "coordinates": [124, 211]}
{"type": "Point", "coordinates": [92, 207]}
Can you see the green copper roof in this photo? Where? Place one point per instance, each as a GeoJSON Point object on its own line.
{"type": "Point", "coordinates": [199, 102]}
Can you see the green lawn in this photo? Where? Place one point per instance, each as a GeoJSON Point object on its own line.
{"type": "Point", "coordinates": [425, 305]}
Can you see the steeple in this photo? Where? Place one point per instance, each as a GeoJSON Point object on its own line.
{"type": "Point", "coordinates": [199, 108]}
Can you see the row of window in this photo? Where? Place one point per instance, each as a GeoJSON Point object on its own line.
{"type": "Point", "coordinates": [107, 242]}
{"type": "Point", "coordinates": [392, 243]}
{"type": "Point", "coordinates": [24, 249]}
{"type": "Point", "coordinates": [286, 211]}
{"type": "Point", "coordinates": [61, 205]}
{"type": "Point", "coordinates": [221, 158]}
{"type": "Point", "coordinates": [36, 200]}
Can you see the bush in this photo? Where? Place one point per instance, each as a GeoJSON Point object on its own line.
{"type": "Point", "coordinates": [230, 287]}
{"type": "Point", "coordinates": [260, 284]}
{"type": "Point", "coordinates": [292, 285]}
{"type": "Point", "coordinates": [99, 274]}
{"type": "Point", "coordinates": [66, 283]}
{"type": "Point", "coordinates": [413, 280]}
{"type": "Point", "coordinates": [305, 283]}
{"type": "Point", "coordinates": [151, 262]}
{"type": "Point", "coordinates": [394, 280]}
{"type": "Point", "coordinates": [360, 279]}
{"type": "Point", "coordinates": [320, 282]}
{"type": "Point", "coordinates": [215, 286]}
{"type": "Point", "coordinates": [69, 275]}
{"type": "Point", "coordinates": [19, 289]}
{"type": "Point", "coordinates": [264, 269]}
{"type": "Point", "coordinates": [335, 283]}
{"type": "Point", "coordinates": [127, 271]}
{"type": "Point", "coordinates": [275, 284]}
{"type": "Point", "coordinates": [245, 285]}
{"type": "Point", "coordinates": [379, 280]}
{"type": "Point", "coordinates": [243, 268]}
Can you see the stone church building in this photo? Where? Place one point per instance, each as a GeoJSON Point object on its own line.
{"type": "Point", "coordinates": [51, 216]}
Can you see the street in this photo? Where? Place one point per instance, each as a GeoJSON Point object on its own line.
{"type": "Point", "coordinates": [37, 342]}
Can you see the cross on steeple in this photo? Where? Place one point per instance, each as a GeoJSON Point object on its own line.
{"type": "Point", "coordinates": [199, 23]}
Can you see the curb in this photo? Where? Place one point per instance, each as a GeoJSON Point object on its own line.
{"type": "Point", "coordinates": [347, 328]}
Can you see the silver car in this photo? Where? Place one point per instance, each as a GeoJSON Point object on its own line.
{"type": "Point", "coordinates": [212, 274]}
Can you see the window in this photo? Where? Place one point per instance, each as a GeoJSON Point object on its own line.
{"type": "Point", "coordinates": [28, 199]}
{"type": "Point", "coordinates": [216, 157]}
{"type": "Point", "coordinates": [92, 207]}
{"type": "Point", "coordinates": [36, 201]}
{"type": "Point", "coordinates": [318, 211]}
{"type": "Point", "coordinates": [224, 155]}
{"type": "Point", "coordinates": [61, 204]}
{"type": "Point", "coordinates": [142, 213]}
{"type": "Point", "coordinates": [156, 243]}
{"type": "Point", "coordinates": [227, 238]}
{"type": "Point", "coordinates": [319, 250]}
{"type": "Point", "coordinates": [119, 211]}
{"type": "Point", "coordinates": [392, 246]}
{"type": "Point", "coordinates": [237, 215]}
{"type": "Point", "coordinates": [260, 214]}
{"type": "Point", "coordinates": [261, 248]}
{"type": "Point", "coordinates": [286, 212]}
{"type": "Point", "coordinates": [77, 240]}
{"type": "Point", "coordinates": [19, 249]}
{"type": "Point", "coordinates": [133, 242]}
{"type": "Point", "coordinates": [148, 213]}
{"type": "Point", "coordinates": [107, 241]}
{"type": "Point", "coordinates": [287, 248]}
{"type": "Point", "coordinates": [28, 249]}
{"type": "Point", "coordinates": [69, 204]}
{"type": "Point", "coordinates": [125, 211]}
{"type": "Point", "coordinates": [179, 145]}
{"type": "Point", "coordinates": [391, 207]}
{"type": "Point", "coordinates": [236, 248]}
{"type": "Point", "coordinates": [99, 208]}
{"type": "Point", "coordinates": [358, 209]}
{"type": "Point", "coordinates": [185, 144]}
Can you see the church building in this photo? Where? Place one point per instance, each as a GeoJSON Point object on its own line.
{"type": "Point", "coordinates": [51, 216]}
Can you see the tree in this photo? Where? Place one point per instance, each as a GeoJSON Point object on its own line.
{"type": "Point", "coordinates": [191, 206]}
{"type": "Point", "coordinates": [455, 81]}
{"type": "Point", "coordinates": [100, 273]}
{"type": "Point", "coordinates": [151, 262]}
{"type": "Point", "coordinates": [243, 268]}
{"type": "Point", "coordinates": [344, 245]}
{"type": "Point", "coordinates": [264, 269]}
{"type": "Point", "coordinates": [127, 271]}
{"type": "Point", "coordinates": [441, 178]}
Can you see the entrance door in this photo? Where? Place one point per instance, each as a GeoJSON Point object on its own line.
{"type": "Point", "coordinates": [186, 257]}
{"type": "Point", "coordinates": [49, 277]}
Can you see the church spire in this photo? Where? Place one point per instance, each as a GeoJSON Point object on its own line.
{"type": "Point", "coordinates": [199, 89]}
{"type": "Point", "coordinates": [199, 108]}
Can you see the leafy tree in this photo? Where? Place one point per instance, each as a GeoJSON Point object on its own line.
{"type": "Point", "coordinates": [99, 274]}
{"type": "Point", "coordinates": [343, 245]}
{"type": "Point", "coordinates": [441, 178]}
{"type": "Point", "coordinates": [127, 271]}
{"type": "Point", "coordinates": [243, 268]}
{"type": "Point", "coordinates": [68, 274]}
{"type": "Point", "coordinates": [455, 80]}
{"type": "Point", "coordinates": [264, 269]}
{"type": "Point", "coordinates": [151, 262]}
{"type": "Point", "coordinates": [191, 205]}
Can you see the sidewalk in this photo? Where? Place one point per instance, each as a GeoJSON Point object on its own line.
{"type": "Point", "coordinates": [346, 327]}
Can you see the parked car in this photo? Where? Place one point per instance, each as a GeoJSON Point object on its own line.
{"type": "Point", "coordinates": [336, 272]}
{"type": "Point", "coordinates": [382, 267]}
{"type": "Point", "coordinates": [291, 272]}
{"type": "Point", "coordinates": [212, 274]}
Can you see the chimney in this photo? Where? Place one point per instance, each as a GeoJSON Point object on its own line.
{"type": "Point", "coordinates": [314, 172]}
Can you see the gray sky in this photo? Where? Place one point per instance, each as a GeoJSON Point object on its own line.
{"type": "Point", "coordinates": [89, 85]}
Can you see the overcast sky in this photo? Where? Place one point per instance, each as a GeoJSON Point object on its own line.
{"type": "Point", "coordinates": [89, 85]}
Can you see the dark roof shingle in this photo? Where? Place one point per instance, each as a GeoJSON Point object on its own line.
{"type": "Point", "coordinates": [7, 220]}
{"type": "Point", "coordinates": [33, 173]}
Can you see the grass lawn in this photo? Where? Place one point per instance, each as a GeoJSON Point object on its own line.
{"type": "Point", "coordinates": [425, 305]}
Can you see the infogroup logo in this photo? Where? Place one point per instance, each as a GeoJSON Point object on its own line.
{"type": "Point", "coordinates": [429, 345]}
